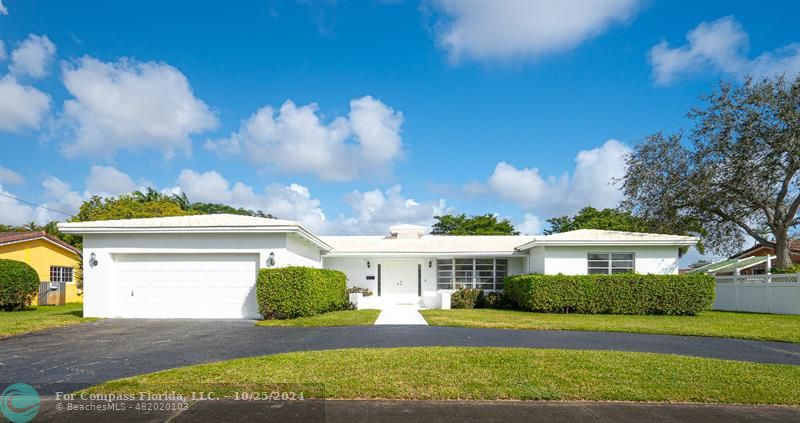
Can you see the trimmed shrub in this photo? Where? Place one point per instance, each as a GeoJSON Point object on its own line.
{"type": "Point", "coordinates": [795, 268]}
{"type": "Point", "coordinates": [19, 283]}
{"type": "Point", "coordinates": [295, 291]}
{"type": "Point", "coordinates": [465, 298]}
{"type": "Point", "coordinates": [494, 300]}
{"type": "Point", "coordinates": [612, 294]}
{"type": "Point", "coordinates": [358, 290]}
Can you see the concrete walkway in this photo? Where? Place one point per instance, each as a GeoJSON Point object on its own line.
{"type": "Point", "coordinates": [334, 411]}
{"type": "Point", "coordinates": [400, 315]}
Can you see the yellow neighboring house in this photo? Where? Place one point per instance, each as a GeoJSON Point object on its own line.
{"type": "Point", "coordinates": [54, 260]}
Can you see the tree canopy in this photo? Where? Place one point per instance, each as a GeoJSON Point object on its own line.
{"type": "Point", "coordinates": [591, 218]}
{"type": "Point", "coordinates": [736, 172]}
{"type": "Point", "coordinates": [462, 224]}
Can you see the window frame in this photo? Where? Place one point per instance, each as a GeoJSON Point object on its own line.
{"type": "Point", "coordinates": [59, 273]}
{"type": "Point", "coordinates": [473, 275]}
{"type": "Point", "coordinates": [609, 260]}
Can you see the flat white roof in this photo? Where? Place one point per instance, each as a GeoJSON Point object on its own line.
{"type": "Point", "coordinates": [203, 223]}
{"type": "Point", "coordinates": [427, 244]}
{"type": "Point", "coordinates": [603, 237]}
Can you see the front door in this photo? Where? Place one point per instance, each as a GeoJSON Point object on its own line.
{"type": "Point", "coordinates": [399, 278]}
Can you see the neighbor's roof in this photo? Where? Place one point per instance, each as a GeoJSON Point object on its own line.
{"type": "Point", "coordinates": [203, 223]}
{"type": "Point", "coordinates": [16, 237]}
{"type": "Point", "coordinates": [730, 265]}
{"type": "Point", "coordinates": [427, 244]}
{"type": "Point", "coordinates": [603, 237]}
{"type": "Point", "coordinates": [794, 249]}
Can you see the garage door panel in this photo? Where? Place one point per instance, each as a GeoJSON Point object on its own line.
{"type": "Point", "coordinates": [186, 285]}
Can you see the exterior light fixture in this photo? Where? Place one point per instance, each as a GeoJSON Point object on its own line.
{"type": "Point", "coordinates": [271, 259]}
{"type": "Point", "coordinates": [368, 265]}
{"type": "Point", "coordinates": [430, 264]}
{"type": "Point", "coordinates": [93, 260]}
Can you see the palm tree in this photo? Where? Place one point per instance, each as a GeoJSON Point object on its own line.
{"type": "Point", "coordinates": [181, 200]}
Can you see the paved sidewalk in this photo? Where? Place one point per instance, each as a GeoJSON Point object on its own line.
{"type": "Point", "coordinates": [400, 315]}
{"type": "Point", "coordinates": [334, 411]}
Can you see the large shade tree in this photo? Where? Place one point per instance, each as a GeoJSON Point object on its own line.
{"type": "Point", "coordinates": [737, 171]}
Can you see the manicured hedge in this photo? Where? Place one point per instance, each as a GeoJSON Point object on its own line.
{"type": "Point", "coordinates": [294, 291]}
{"type": "Point", "coordinates": [19, 283]}
{"type": "Point", "coordinates": [612, 294]}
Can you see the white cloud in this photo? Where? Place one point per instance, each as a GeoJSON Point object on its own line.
{"type": "Point", "coordinates": [130, 105]}
{"type": "Point", "coordinates": [12, 212]}
{"type": "Point", "coordinates": [372, 211]}
{"type": "Point", "coordinates": [295, 139]}
{"type": "Point", "coordinates": [3, 8]}
{"type": "Point", "coordinates": [58, 195]}
{"type": "Point", "coordinates": [376, 210]}
{"type": "Point", "coordinates": [23, 106]}
{"type": "Point", "coordinates": [591, 182]}
{"type": "Point", "coordinates": [8, 176]}
{"type": "Point", "coordinates": [720, 46]}
{"type": "Point", "coordinates": [508, 29]}
{"type": "Point", "coordinates": [2, 50]}
{"type": "Point", "coordinates": [530, 225]}
{"type": "Point", "coordinates": [108, 181]}
{"type": "Point", "coordinates": [292, 202]}
{"type": "Point", "coordinates": [33, 57]}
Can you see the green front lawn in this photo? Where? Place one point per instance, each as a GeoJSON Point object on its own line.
{"type": "Point", "coordinates": [446, 373]}
{"type": "Point", "coordinates": [334, 318]}
{"type": "Point", "coordinates": [36, 318]}
{"type": "Point", "coordinates": [772, 327]}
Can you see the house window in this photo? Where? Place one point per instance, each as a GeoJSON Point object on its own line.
{"type": "Point", "coordinates": [60, 274]}
{"type": "Point", "coordinates": [481, 273]}
{"type": "Point", "coordinates": [610, 263]}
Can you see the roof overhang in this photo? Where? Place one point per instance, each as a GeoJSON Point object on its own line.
{"type": "Point", "coordinates": [71, 249]}
{"type": "Point", "coordinates": [425, 254]}
{"type": "Point", "coordinates": [688, 242]}
{"type": "Point", "coordinates": [68, 228]}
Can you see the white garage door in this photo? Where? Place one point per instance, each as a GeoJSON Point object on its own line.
{"type": "Point", "coordinates": [215, 286]}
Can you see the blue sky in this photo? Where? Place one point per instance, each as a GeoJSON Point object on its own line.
{"type": "Point", "coordinates": [399, 110]}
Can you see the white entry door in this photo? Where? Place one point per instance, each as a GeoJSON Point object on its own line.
{"type": "Point", "coordinates": [214, 286]}
{"type": "Point", "coordinates": [399, 278]}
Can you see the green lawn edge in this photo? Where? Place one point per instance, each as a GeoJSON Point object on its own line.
{"type": "Point", "coordinates": [481, 373]}
{"type": "Point", "coordinates": [756, 326]}
{"type": "Point", "coordinates": [39, 318]}
{"type": "Point", "coordinates": [334, 318]}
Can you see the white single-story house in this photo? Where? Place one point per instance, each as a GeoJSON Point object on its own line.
{"type": "Point", "coordinates": [205, 266]}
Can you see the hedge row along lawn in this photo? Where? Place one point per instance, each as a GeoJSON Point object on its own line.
{"type": "Point", "coordinates": [769, 327]}
{"type": "Point", "coordinates": [446, 373]}
{"type": "Point", "coordinates": [625, 293]}
{"type": "Point", "coordinates": [334, 318]}
{"type": "Point", "coordinates": [36, 318]}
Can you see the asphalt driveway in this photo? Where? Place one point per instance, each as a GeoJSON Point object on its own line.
{"type": "Point", "coordinates": [92, 353]}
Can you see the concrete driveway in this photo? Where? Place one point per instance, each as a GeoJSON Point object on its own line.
{"type": "Point", "coordinates": [92, 353]}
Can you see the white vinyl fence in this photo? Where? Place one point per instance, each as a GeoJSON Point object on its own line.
{"type": "Point", "coordinates": [778, 294]}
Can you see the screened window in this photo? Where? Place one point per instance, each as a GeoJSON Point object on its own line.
{"type": "Point", "coordinates": [610, 263]}
{"type": "Point", "coordinates": [481, 273]}
{"type": "Point", "coordinates": [60, 274]}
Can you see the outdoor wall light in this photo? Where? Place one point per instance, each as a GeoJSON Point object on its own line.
{"type": "Point", "coordinates": [93, 260]}
{"type": "Point", "coordinates": [271, 259]}
{"type": "Point", "coordinates": [430, 264]}
{"type": "Point", "coordinates": [368, 264]}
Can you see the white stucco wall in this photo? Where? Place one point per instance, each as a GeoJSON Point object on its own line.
{"type": "Point", "coordinates": [99, 280]}
{"type": "Point", "coordinates": [552, 260]}
{"type": "Point", "coordinates": [302, 252]}
{"type": "Point", "coordinates": [356, 270]}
